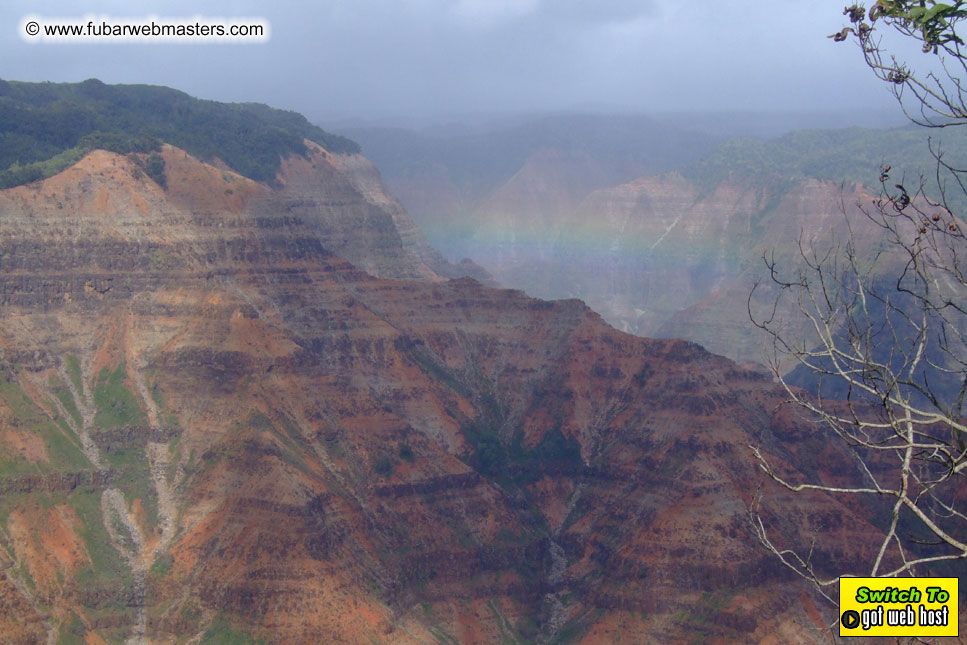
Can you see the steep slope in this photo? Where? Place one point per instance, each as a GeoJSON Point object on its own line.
{"type": "Point", "coordinates": [451, 180]}
{"type": "Point", "coordinates": [662, 256]}
{"type": "Point", "coordinates": [682, 262]}
{"type": "Point", "coordinates": [672, 254]}
{"type": "Point", "coordinates": [365, 179]}
{"type": "Point", "coordinates": [212, 425]}
{"type": "Point", "coordinates": [46, 127]}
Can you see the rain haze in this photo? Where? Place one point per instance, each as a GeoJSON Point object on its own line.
{"type": "Point", "coordinates": [404, 59]}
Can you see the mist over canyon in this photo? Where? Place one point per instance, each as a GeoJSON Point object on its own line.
{"type": "Point", "coordinates": [659, 224]}
{"type": "Point", "coordinates": [243, 399]}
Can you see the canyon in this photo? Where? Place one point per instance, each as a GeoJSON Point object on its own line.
{"type": "Point", "coordinates": [248, 411]}
{"type": "Point", "coordinates": [668, 242]}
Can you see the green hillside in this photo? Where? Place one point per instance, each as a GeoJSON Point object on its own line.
{"type": "Point", "coordinates": [845, 155]}
{"type": "Point", "coordinates": [45, 127]}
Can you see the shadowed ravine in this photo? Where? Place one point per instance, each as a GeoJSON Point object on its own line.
{"type": "Point", "coordinates": [236, 411]}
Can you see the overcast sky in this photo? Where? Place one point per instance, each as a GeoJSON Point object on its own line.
{"type": "Point", "coordinates": [333, 59]}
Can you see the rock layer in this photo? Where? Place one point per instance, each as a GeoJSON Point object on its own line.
{"type": "Point", "coordinates": [663, 256]}
{"type": "Point", "coordinates": [286, 444]}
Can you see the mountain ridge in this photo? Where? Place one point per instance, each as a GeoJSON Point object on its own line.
{"type": "Point", "coordinates": [653, 250]}
{"type": "Point", "coordinates": [44, 127]}
{"type": "Point", "coordinates": [237, 410]}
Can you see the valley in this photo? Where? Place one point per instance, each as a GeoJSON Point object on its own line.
{"type": "Point", "coordinates": [235, 410]}
{"type": "Point", "coordinates": [660, 229]}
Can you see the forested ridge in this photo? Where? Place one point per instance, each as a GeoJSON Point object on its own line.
{"type": "Point", "coordinates": [842, 155]}
{"type": "Point", "coordinates": [46, 127]}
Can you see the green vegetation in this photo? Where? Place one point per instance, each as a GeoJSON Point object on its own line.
{"type": "Point", "coordinates": [847, 155]}
{"type": "Point", "coordinates": [221, 632]}
{"type": "Point", "coordinates": [72, 631]}
{"type": "Point", "coordinates": [249, 441]}
{"type": "Point", "coordinates": [442, 637]}
{"type": "Point", "coordinates": [154, 390]}
{"type": "Point", "coordinates": [289, 439]}
{"type": "Point", "coordinates": [190, 613]}
{"type": "Point", "coordinates": [74, 372]}
{"type": "Point", "coordinates": [174, 450]}
{"type": "Point", "coordinates": [66, 398]}
{"type": "Point", "coordinates": [154, 167]}
{"type": "Point", "coordinates": [161, 565]}
{"type": "Point", "coordinates": [107, 568]}
{"type": "Point", "coordinates": [406, 452]}
{"type": "Point", "coordinates": [384, 465]}
{"type": "Point", "coordinates": [575, 629]}
{"type": "Point", "coordinates": [709, 605]}
{"type": "Point", "coordinates": [116, 405]}
{"type": "Point", "coordinates": [17, 174]}
{"type": "Point", "coordinates": [504, 534]}
{"type": "Point", "coordinates": [508, 462]}
{"type": "Point", "coordinates": [137, 483]}
{"type": "Point", "coordinates": [63, 448]}
{"type": "Point", "coordinates": [428, 363]}
{"type": "Point", "coordinates": [513, 463]}
{"type": "Point", "coordinates": [507, 634]}
{"type": "Point", "coordinates": [45, 127]}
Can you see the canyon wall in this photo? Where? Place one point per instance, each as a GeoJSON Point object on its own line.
{"type": "Point", "coordinates": [235, 411]}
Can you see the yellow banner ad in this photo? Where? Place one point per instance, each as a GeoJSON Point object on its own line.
{"type": "Point", "coordinates": [898, 607]}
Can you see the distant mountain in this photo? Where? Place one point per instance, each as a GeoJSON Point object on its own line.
{"type": "Point", "coordinates": [660, 230]}
{"type": "Point", "coordinates": [451, 181]}
{"type": "Point", "coordinates": [851, 155]}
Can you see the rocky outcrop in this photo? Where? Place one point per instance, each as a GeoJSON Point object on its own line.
{"type": "Point", "coordinates": [655, 253]}
{"type": "Point", "coordinates": [307, 450]}
{"type": "Point", "coordinates": [662, 256]}
{"type": "Point", "coordinates": [60, 482]}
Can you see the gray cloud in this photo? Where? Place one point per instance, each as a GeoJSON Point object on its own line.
{"type": "Point", "coordinates": [384, 57]}
{"type": "Point", "coordinates": [586, 13]}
